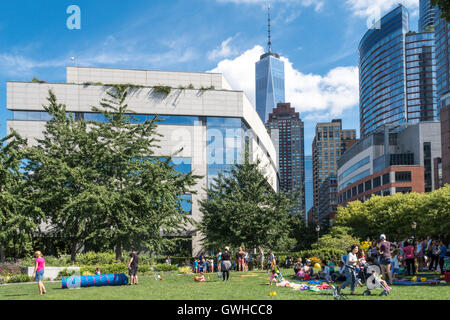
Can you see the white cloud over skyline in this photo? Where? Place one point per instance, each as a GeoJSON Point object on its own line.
{"type": "Point", "coordinates": [370, 8]}
{"type": "Point", "coordinates": [318, 97]}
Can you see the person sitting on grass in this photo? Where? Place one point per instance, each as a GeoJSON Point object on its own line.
{"type": "Point", "coordinates": [339, 275]}
{"type": "Point", "coordinates": [298, 266]}
{"type": "Point", "coordinates": [325, 273]}
{"type": "Point", "coordinates": [97, 272]}
{"type": "Point", "coordinates": [202, 277]}
{"type": "Point", "coordinates": [273, 277]}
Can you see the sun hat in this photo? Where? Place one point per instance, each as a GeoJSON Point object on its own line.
{"type": "Point", "coordinates": [382, 237]}
{"type": "Point", "coordinates": [226, 248]}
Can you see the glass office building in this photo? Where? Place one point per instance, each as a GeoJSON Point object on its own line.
{"type": "Point", "coordinates": [442, 36]}
{"type": "Point", "coordinates": [205, 131]}
{"type": "Point", "coordinates": [270, 88]}
{"type": "Point", "coordinates": [397, 74]}
{"type": "Point", "coordinates": [382, 72]}
{"type": "Point", "coordinates": [426, 15]}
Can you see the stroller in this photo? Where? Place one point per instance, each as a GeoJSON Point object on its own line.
{"type": "Point", "coordinates": [371, 275]}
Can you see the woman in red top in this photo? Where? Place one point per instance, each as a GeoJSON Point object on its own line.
{"type": "Point", "coordinates": [408, 256]}
{"type": "Point", "coordinates": [38, 274]}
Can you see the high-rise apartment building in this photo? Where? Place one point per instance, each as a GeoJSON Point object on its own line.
{"type": "Point", "coordinates": [308, 184]}
{"type": "Point", "coordinates": [285, 122]}
{"type": "Point", "coordinates": [397, 74]}
{"type": "Point", "coordinates": [329, 144]}
{"type": "Point", "coordinates": [420, 77]}
{"type": "Point", "coordinates": [269, 78]}
{"type": "Point", "coordinates": [328, 201]}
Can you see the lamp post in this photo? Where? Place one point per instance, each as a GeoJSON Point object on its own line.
{"type": "Point", "coordinates": [413, 227]}
{"type": "Point", "coordinates": [318, 230]}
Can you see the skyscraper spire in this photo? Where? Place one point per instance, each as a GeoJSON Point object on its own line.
{"type": "Point", "coordinates": [269, 43]}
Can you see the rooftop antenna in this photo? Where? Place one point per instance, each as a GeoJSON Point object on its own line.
{"type": "Point", "coordinates": [270, 42]}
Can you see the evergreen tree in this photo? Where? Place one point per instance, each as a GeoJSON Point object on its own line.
{"type": "Point", "coordinates": [241, 209]}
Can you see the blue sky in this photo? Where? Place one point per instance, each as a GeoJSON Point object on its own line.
{"type": "Point", "coordinates": [318, 39]}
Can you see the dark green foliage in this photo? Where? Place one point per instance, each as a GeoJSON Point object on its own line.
{"type": "Point", "coordinates": [243, 210]}
{"type": "Point", "coordinates": [139, 191]}
{"type": "Point", "coordinates": [444, 6]}
{"type": "Point", "coordinates": [64, 177]}
{"type": "Point", "coordinates": [18, 215]}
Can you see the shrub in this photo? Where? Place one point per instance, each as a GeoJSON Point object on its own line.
{"type": "Point", "coordinates": [185, 270]}
{"type": "Point", "coordinates": [162, 267]}
{"type": "Point", "coordinates": [65, 273]}
{"type": "Point", "coordinates": [96, 258]}
{"type": "Point", "coordinates": [20, 278]}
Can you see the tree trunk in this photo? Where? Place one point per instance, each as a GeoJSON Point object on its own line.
{"type": "Point", "coordinates": [73, 251]}
{"type": "Point", "coordinates": [2, 254]}
{"type": "Point", "coordinates": [119, 251]}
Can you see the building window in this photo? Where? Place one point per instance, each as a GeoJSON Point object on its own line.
{"type": "Point", "coordinates": [403, 190]}
{"type": "Point", "coordinates": [403, 176]}
{"type": "Point", "coordinates": [361, 188]}
{"type": "Point", "coordinates": [377, 182]}
{"type": "Point", "coordinates": [386, 178]}
{"type": "Point", "coordinates": [368, 185]}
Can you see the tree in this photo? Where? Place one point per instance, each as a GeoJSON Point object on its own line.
{"type": "Point", "coordinates": [64, 178]}
{"type": "Point", "coordinates": [304, 235]}
{"type": "Point", "coordinates": [338, 238]}
{"type": "Point", "coordinates": [241, 209]}
{"type": "Point", "coordinates": [143, 190]}
{"type": "Point", "coordinates": [393, 215]}
{"type": "Point", "coordinates": [17, 213]}
{"type": "Point", "coordinates": [444, 7]}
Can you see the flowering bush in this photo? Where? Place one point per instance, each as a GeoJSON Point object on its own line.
{"type": "Point", "coordinates": [365, 245]}
{"type": "Point", "coordinates": [315, 260]}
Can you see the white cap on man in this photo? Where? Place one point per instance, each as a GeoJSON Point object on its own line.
{"type": "Point", "coordinates": [383, 237]}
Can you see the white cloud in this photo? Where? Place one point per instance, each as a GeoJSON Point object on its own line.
{"type": "Point", "coordinates": [315, 96]}
{"type": "Point", "coordinates": [372, 8]}
{"type": "Point", "coordinates": [224, 51]}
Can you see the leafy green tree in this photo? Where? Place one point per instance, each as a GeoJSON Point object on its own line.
{"type": "Point", "coordinates": [64, 177]}
{"type": "Point", "coordinates": [17, 213]}
{"type": "Point", "coordinates": [241, 209]}
{"type": "Point", "coordinates": [338, 238]}
{"type": "Point", "coordinates": [394, 214]}
{"type": "Point", "coordinates": [142, 191]}
{"type": "Point", "coordinates": [444, 6]}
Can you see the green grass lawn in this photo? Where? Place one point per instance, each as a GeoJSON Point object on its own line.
{"type": "Point", "coordinates": [242, 286]}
